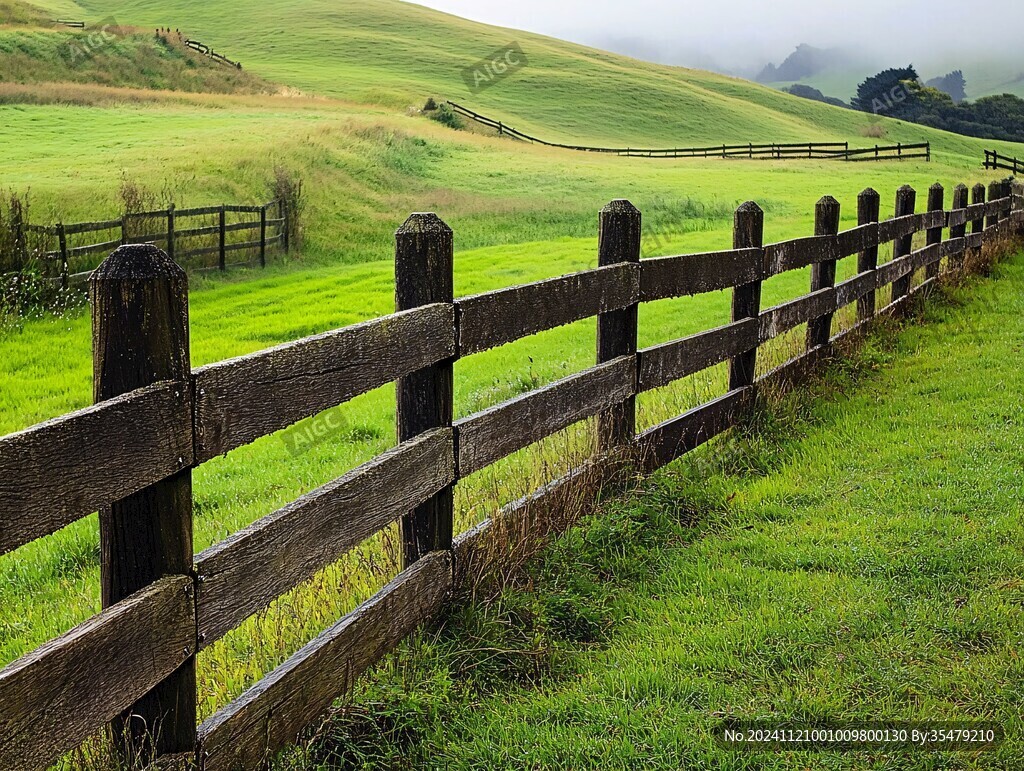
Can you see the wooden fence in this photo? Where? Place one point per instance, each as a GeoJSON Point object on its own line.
{"type": "Point", "coordinates": [773, 151]}
{"type": "Point", "coordinates": [131, 455]}
{"type": "Point", "coordinates": [182, 240]}
{"type": "Point", "coordinates": [994, 160]}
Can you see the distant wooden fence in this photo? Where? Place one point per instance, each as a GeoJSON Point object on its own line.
{"type": "Point", "coordinates": [773, 151]}
{"type": "Point", "coordinates": [994, 160]}
{"type": "Point", "coordinates": [156, 419]}
{"type": "Point", "coordinates": [267, 223]}
{"type": "Point", "coordinates": [204, 49]}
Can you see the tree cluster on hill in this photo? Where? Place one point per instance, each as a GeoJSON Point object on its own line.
{"type": "Point", "coordinates": [806, 61]}
{"type": "Point", "coordinates": [899, 93]}
{"type": "Point", "coordinates": [809, 92]}
{"type": "Point", "coordinates": [953, 84]}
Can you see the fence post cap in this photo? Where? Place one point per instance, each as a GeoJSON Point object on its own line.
{"type": "Point", "coordinates": [749, 207]}
{"type": "Point", "coordinates": [937, 187]}
{"type": "Point", "coordinates": [619, 206]}
{"type": "Point", "coordinates": [137, 261]}
{"type": "Point", "coordinates": [869, 192]}
{"type": "Point", "coordinates": [827, 200]}
{"type": "Point", "coordinates": [423, 223]}
{"type": "Point", "coordinates": [906, 189]}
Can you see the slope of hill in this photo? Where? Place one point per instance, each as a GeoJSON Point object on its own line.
{"type": "Point", "coordinates": [396, 54]}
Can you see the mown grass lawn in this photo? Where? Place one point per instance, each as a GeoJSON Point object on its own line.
{"type": "Point", "coordinates": [853, 554]}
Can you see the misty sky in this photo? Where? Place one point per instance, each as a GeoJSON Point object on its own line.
{"type": "Point", "coordinates": [740, 35]}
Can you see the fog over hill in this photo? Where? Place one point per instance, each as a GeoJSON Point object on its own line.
{"type": "Point", "coordinates": [742, 37]}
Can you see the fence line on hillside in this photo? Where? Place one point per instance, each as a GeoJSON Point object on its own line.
{"type": "Point", "coordinates": [776, 151]}
{"type": "Point", "coordinates": [993, 160]}
{"type": "Point", "coordinates": [163, 605]}
{"type": "Point", "coordinates": [140, 227]}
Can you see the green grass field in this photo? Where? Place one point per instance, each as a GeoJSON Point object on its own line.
{"type": "Point", "coordinates": [349, 74]}
{"type": "Point", "coordinates": [852, 555]}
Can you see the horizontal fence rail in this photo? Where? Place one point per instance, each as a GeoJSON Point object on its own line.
{"type": "Point", "coordinates": [132, 454]}
{"type": "Point", "coordinates": [60, 248]}
{"type": "Point", "coordinates": [777, 151]}
{"type": "Point", "coordinates": [994, 160]}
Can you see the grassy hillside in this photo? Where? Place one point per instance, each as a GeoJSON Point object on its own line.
{"type": "Point", "coordinates": [397, 54]}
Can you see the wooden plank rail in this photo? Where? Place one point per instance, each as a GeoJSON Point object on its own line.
{"type": "Point", "coordinates": [690, 274]}
{"type": "Point", "coordinates": [256, 565]}
{"type": "Point", "coordinates": [496, 318]}
{"type": "Point", "coordinates": [56, 697]}
{"type": "Point", "coordinates": [243, 399]}
{"type": "Point", "coordinates": [274, 711]}
{"type": "Point", "coordinates": [131, 456]}
{"type": "Point", "coordinates": [51, 475]}
{"type": "Point", "coordinates": [664, 364]}
{"type": "Point", "coordinates": [493, 434]}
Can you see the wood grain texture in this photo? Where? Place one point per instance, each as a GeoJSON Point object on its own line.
{"type": "Point", "coordinates": [65, 691]}
{"type": "Point", "coordinates": [271, 714]}
{"type": "Point", "coordinates": [618, 244]}
{"type": "Point", "coordinates": [59, 471]}
{"type": "Point", "coordinates": [496, 318]}
{"type": "Point", "coordinates": [799, 253]}
{"type": "Point", "coordinates": [690, 274]}
{"type": "Point", "coordinates": [493, 434]}
{"type": "Point", "coordinates": [858, 239]}
{"type": "Point", "coordinates": [854, 289]}
{"type": "Point", "coordinates": [747, 233]}
{"type": "Point", "coordinates": [243, 399]}
{"type": "Point", "coordinates": [782, 318]}
{"type": "Point", "coordinates": [894, 270]}
{"type": "Point", "coordinates": [926, 256]}
{"type": "Point", "coordinates": [664, 364]}
{"type": "Point", "coordinates": [898, 227]}
{"type": "Point", "coordinates": [869, 204]}
{"type": "Point", "coordinates": [255, 566]}
{"type": "Point", "coordinates": [672, 439]}
{"type": "Point", "coordinates": [823, 273]}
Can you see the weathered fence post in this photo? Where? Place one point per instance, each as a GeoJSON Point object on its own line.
{"type": "Point", "coordinates": [619, 242]}
{"type": "Point", "coordinates": [284, 216]}
{"type": "Point", "coordinates": [747, 233]}
{"type": "Point", "coordinates": [995, 192]}
{"type": "Point", "coordinates": [62, 245]}
{"type": "Point", "coordinates": [961, 200]}
{"type": "Point", "coordinates": [978, 225]}
{"type": "Point", "coordinates": [823, 274]}
{"type": "Point", "coordinates": [936, 202]}
{"type": "Point", "coordinates": [263, 236]}
{"type": "Point", "coordinates": [222, 233]}
{"type": "Point", "coordinates": [170, 231]}
{"type": "Point", "coordinates": [869, 204]}
{"type": "Point", "coordinates": [424, 263]}
{"type": "Point", "coordinates": [906, 204]}
{"type": "Point", "coordinates": [124, 229]}
{"type": "Point", "coordinates": [139, 301]}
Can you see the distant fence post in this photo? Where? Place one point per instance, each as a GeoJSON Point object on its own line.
{"type": "Point", "coordinates": [906, 205]}
{"type": "Point", "coordinates": [936, 202]}
{"type": "Point", "coordinates": [424, 263]}
{"type": "Point", "coordinates": [263, 236]}
{"type": "Point", "coordinates": [747, 233]}
{"type": "Point", "coordinates": [961, 200]}
{"type": "Point", "coordinates": [222, 233]}
{"type": "Point", "coordinates": [139, 301]}
{"type": "Point", "coordinates": [170, 231]}
{"type": "Point", "coordinates": [823, 274]}
{"type": "Point", "coordinates": [283, 214]}
{"type": "Point", "coordinates": [62, 245]}
{"type": "Point", "coordinates": [869, 204]}
{"type": "Point", "coordinates": [619, 242]}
